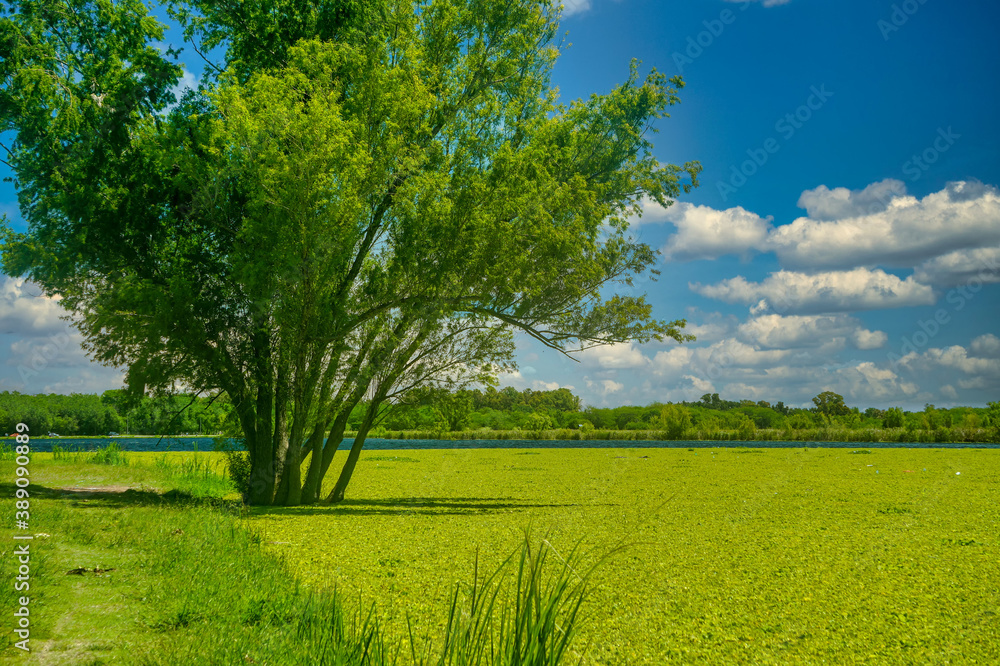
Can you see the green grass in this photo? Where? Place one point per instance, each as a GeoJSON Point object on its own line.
{"type": "Point", "coordinates": [168, 577]}
{"type": "Point", "coordinates": [812, 434]}
{"type": "Point", "coordinates": [779, 556]}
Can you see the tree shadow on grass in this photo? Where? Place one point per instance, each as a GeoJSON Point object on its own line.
{"type": "Point", "coordinates": [402, 506]}
{"type": "Point", "coordinates": [122, 496]}
{"type": "Point", "coordinates": [118, 496]}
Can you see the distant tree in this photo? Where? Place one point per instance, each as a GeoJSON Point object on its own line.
{"type": "Point", "coordinates": [675, 420]}
{"type": "Point", "coordinates": [874, 413]}
{"type": "Point", "coordinates": [893, 418]}
{"type": "Point", "coordinates": [993, 419]}
{"type": "Point", "coordinates": [831, 404]}
{"type": "Point", "coordinates": [538, 421]}
{"type": "Point", "coordinates": [454, 407]}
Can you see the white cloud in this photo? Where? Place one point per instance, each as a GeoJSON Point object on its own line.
{"type": "Point", "coordinates": [835, 291]}
{"type": "Point", "coordinates": [709, 331]}
{"type": "Point", "coordinates": [24, 310]}
{"type": "Point", "coordinates": [954, 365]}
{"type": "Point", "coordinates": [955, 357]}
{"type": "Point", "coordinates": [951, 236]}
{"type": "Point", "coordinates": [797, 331]}
{"type": "Point", "coordinates": [94, 380]}
{"type": "Point", "coordinates": [842, 234]}
{"type": "Point", "coordinates": [986, 345]}
{"type": "Point", "coordinates": [706, 233]}
{"type": "Point", "coordinates": [699, 384]}
{"type": "Point", "coordinates": [822, 203]}
{"type": "Point", "coordinates": [539, 385]}
{"type": "Point", "coordinates": [571, 7]}
{"type": "Point", "coordinates": [604, 386]}
{"type": "Point", "coordinates": [865, 339]}
{"type": "Point", "coordinates": [867, 382]}
{"type": "Point", "coordinates": [625, 355]}
{"type": "Point", "coordinates": [961, 267]}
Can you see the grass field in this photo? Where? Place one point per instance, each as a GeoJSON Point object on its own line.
{"type": "Point", "coordinates": [782, 556]}
{"type": "Point", "coordinates": [729, 555]}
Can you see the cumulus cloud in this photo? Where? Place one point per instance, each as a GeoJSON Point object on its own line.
{"type": "Point", "coordinates": [710, 331]}
{"type": "Point", "coordinates": [841, 231]}
{"type": "Point", "coordinates": [625, 355]}
{"type": "Point", "coordinates": [794, 357]}
{"type": "Point", "coordinates": [706, 233]}
{"type": "Point", "coordinates": [954, 357]}
{"type": "Point", "coordinates": [699, 384]}
{"type": "Point", "coordinates": [797, 331]}
{"type": "Point", "coordinates": [865, 339]}
{"type": "Point", "coordinates": [604, 386]}
{"type": "Point", "coordinates": [24, 310]}
{"type": "Point", "coordinates": [549, 386]}
{"type": "Point", "coordinates": [94, 380]}
{"type": "Point", "coordinates": [986, 345]}
{"type": "Point", "coordinates": [822, 203]}
{"type": "Point", "coordinates": [949, 237]}
{"type": "Point", "coordinates": [869, 382]}
{"type": "Point", "coordinates": [834, 291]}
{"type": "Point", "coordinates": [960, 267]}
{"type": "Point", "coordinates": [978, 371]}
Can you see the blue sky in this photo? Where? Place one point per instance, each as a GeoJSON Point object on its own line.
{"type": "Point", "coordinates": [845, 236]}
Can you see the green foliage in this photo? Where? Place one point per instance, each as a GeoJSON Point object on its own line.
{"type": "Point", "coordinates": [529, 621]}
{"type": "Point", "coordinates": [203, 575]}
{"type": "Point", "coordinates": [831, 404]}
{"type": "Point", "coordinates": [363, 198]}
{"type": "Point", "coordinates": [92, 415]}
{"type": "Point", "coordinates": [111, 454]}
{"type": "Point", "coordinates": [893, 418]}
{"type": "Point", "coordinates": [538, 422]}
{"type": "Point", "coordinates": [675, 420]}
{"type": "Point", "coordinates": [237, 464]}
{"type": "Point", "coordinates": [732, 557]}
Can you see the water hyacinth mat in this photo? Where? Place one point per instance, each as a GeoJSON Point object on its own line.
{"type": "Point", "coordinates": [716, 555]}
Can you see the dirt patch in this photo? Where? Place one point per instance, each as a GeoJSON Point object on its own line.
{"type": "Point", "coordinates": [96, 490]}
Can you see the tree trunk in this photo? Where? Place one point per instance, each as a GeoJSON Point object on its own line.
{"type": "Point", "coordinates": [333, 441]}
{"type": "Point", "coordinates": [291, 478]}
{"type": "Point", "coordinates": [310, 489]}
{"type": "Point", "coordinates": [262, 473]}
{"type": "Point", "coordinates": [337, 494]}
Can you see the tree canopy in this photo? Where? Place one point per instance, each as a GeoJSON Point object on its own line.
{"type": "Point", "coordinates": [360, 199]}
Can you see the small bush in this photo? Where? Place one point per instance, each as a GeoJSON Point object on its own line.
{"type": "Point", "coordinates": [237, 464]}
{"type": "Point", "coordinates": [111, 454]}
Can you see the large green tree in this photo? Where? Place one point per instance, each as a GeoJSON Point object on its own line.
{"type": "Point", "coordinates": [361, 198]}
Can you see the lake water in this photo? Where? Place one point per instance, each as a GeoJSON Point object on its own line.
{"type": "Point", "coordinates": [375, 444]}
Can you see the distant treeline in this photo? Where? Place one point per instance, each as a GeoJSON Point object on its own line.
{"type": "Point", "coordinates": [437, 411]}
{"type": "Point", "coordinates": [91, 415]}
{"type": "Point", "coordinates": [510, 410]}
